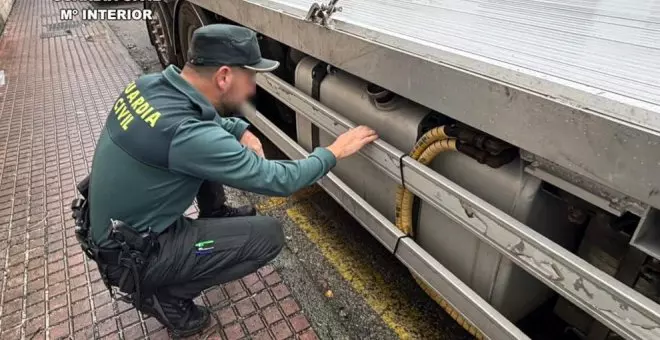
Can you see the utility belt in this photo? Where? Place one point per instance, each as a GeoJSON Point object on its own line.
{"type": "Point", "coordinates": [132, 254]}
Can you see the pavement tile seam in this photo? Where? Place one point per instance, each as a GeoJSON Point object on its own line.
{"type": "Point", "coordinates": [269, 319]}
{"type": "Point", "coordinates": [56, 233]}
{"type": "Point", "coordinates": [52, 109]}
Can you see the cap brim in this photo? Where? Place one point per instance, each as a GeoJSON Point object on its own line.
{"type": "Point", "coordinates": [264, 65]}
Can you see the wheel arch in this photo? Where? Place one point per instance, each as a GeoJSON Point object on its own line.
{"type": "Point", "coordinates": [175, 24]}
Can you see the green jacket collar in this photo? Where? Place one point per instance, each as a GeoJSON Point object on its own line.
{"type": "Point", "coordinates": [173, 76]}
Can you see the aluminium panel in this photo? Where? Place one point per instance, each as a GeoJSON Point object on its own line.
{"type": "Point", "coordinates": [579, 124]}
{"type": "Point", "coordinates": [609, 48]}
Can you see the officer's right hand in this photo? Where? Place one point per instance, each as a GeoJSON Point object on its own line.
{"type": "Point", "coordinates": [352, 141]}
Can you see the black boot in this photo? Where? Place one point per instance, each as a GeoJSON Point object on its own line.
{"type": "Point", "coordinates": [182, 317]}
{"type": "Point", "coordinates": [211, 201]}
{"type": "Point", "coordinates": [227, 211]}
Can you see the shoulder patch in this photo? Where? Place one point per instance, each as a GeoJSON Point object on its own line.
{"type": "Point", "coordinates": [132, 105]}
{"type": "Point", "coordinates": [144, 119]}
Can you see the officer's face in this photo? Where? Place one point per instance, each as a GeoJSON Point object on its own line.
{"type": "Point", "coordinates": [239, 85]}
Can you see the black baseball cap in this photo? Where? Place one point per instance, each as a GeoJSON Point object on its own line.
{"type": "Point", "coordinates": [228, 45]}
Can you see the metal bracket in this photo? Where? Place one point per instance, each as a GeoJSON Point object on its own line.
{"type": "Point", "coordinates": [318, 74]}
{"type": "Point", "coordinates": [321, 13]}
{"type": "Point", "coordinates": [647, 235]}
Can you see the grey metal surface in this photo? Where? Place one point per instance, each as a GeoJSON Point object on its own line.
{"type": "Point", "coordinates": [618, 306]}
{"type": "Point", "coordinates": [613, 201]}
{"type": "Point", "coordinates": [507, 287]}
{"type": "Point", "coordinates": [610, 138]}
{"type": "Point", "coordinates": [344, 93]}
{"type": "Point", "coordinates": [647, 234]}
{"type": "Point", "coordinates": [625, 311]}
{"type": "Point", "coordinates": [628, 273]}
{"type": "Point", "coordinates": [468, 303]}
{"type": "Point", "coordinates": [347, 94]}
{"type": "Point", "coordinates": [457, 293]}
{"type": "Point", "coordinates": [574, 190]}
{"type": "Point", "coordinates": [610, 48]}
{"type": "Point", "coordinates": [603, 247]}
{"type": "Point", "coordinates": [371, 183]}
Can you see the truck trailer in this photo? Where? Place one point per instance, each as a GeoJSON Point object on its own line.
{"type": "Point", "coordinates": [519, 158]}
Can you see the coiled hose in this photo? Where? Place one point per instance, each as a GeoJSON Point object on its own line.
{"type": "Point", "coordinates": [430, 145]}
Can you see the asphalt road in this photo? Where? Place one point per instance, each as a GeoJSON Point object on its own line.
{"type": "Point", "coordinates": [349, 285]}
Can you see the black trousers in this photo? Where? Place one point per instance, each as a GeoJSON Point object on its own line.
{"type": "Point", "coordinates": [210, 197]}
{"type": "Point", "coordinates": [233, 248]}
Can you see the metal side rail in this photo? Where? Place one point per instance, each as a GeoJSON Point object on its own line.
{"type": "Point", "coordinates": [614, 304]}
{"type": "Point", "coordinates": [481, 314]}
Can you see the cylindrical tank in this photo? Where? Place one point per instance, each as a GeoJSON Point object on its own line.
{"type": "Point", "coordinates": [397, 120]}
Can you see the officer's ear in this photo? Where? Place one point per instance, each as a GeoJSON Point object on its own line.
{"type": "Point", "coordinates": [223, 77]}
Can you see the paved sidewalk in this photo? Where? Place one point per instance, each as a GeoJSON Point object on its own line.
{"type": "Point", "coordinates": [60, 79]}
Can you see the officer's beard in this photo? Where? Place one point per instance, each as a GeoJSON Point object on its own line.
{"type": "Point", "coordinates": [228, 109]}
{"type": "Point", "coordinates": [227, 105]}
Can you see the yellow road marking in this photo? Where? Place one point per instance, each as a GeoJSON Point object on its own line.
{"type": "Point", "coordinates": [273, 203]}
{"type": "Point", "coordinates": [394, 308]}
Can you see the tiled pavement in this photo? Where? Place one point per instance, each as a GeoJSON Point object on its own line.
{"type": "Point", "coordinates": [60, 79]}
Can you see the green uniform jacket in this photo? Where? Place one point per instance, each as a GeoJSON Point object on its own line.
{"type": "Point", "coordinates": [162, 138]}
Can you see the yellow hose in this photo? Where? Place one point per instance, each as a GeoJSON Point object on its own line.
{"type": "Point", "coordinates": [430, 137]}
{"type": "Point", "coordinates": [405, 222]}
{"type": "Point", "coordinates": [430, 145]}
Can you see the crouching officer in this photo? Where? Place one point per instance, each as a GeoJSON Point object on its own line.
{"type": "Point", "coordinates": [164, 144]}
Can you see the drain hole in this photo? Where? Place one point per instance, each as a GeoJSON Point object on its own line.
{"type": "Point", "coordinates": [61, 26]}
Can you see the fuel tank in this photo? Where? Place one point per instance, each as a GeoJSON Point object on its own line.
{"type": "Point", "coordinates": [400, 122]}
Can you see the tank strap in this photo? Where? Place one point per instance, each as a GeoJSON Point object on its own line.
{"type": "Point", "coordinates": [318, 74]}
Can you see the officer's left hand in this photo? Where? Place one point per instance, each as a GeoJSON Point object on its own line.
{"type": "Point", "coordinates": [252, 142]}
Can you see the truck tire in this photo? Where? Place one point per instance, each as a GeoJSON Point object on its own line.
{"type": "Point", "coordinates": [191, 18]}
{"type": "Point", "coordinates": [159, 30]}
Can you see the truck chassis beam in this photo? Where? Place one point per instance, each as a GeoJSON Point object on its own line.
{"type": "Point", "coordinates": [616, 305]}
